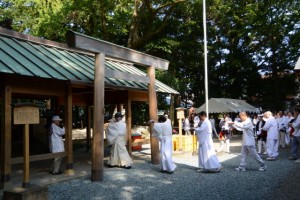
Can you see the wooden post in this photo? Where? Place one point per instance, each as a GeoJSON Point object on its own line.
{"type": "Point", "coordinates": [153, 114]}
{"type": "Point", "coordinates": [180, 134]}
{"type": "Point", "coordinates": [5, 137]}
{"type": "Point", "coordinates": [26, 182]}
{"type": "Point", "coordinates": [129, 123]}
{"type": "Point", "coordinates": [98, 139]}
{"type": "Point", "coordinates": [88, 128]}
{"type": "Point", "coordinates": [68, 127]}
{"type": "Point", "coordinates": [172, 110]}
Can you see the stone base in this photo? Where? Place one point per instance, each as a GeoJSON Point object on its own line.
{"type": "Point", "coordinates": [32, 192]}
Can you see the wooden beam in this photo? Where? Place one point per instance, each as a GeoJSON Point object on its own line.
{"type": "Point", "coordinates": [153, 115]}
{"type": "Point", "coordinates": [68, 126]}
{"type": "Point", "coordinates": [94, 45]}
{"type": "Point", "coordinates": [109, 73]}
{"type": "Point", "coordinates": [129, 124]}
{"type": "Point", "coordinates": [32, 158]}
{"type": "Point", "coordinates": [5, 157]}
{"type": "Point", "coordinates": [98, 137]}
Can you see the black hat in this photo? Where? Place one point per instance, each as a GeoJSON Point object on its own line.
{"type": "Point", "coordinates": [118, 114]}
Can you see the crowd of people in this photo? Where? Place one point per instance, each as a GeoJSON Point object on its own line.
{"type": "Point", "coordinates": [272, 131]}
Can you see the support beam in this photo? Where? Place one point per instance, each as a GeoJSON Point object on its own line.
{"type": "Point", "coordinates": [26, 181]}
{"type": "Point", "coordinates": [98, 139]}
{"type": "Point", "coordinates": [153, 114]}
{"type": "Point", "coordinates": [88, 127]}
{"type": "Point", "coordinates": [5, 159]}
{"type": "Point", "coordinates": [68, 126]}
{"type": "Point", "coordinates": [129, 123]}
{"type": "Point", "coordinates": [94, 45]}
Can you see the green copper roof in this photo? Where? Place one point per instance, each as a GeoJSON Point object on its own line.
{"type": "Point", "coordinates": [28, 58]}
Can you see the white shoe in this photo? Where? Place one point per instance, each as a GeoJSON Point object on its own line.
{"type": "Point", "coordinates": [262, 168]}
{"type": "Point", "coordinates": [240, 169]}
{"type": "Point", "coordinates": [297, 161]}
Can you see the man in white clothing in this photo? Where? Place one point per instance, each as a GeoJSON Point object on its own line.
{"type": "Point", "coordinates": [163, 132]}
{"type": "Point", "coordinates": [56, 143]}
{"type": "Point", "coordinates": [296, 136]}
{"type": "Point", "coordinates": [207, 157]}
{"type": "Point", "coordinates": [116, 135]}
{"type": "Point", "coordinates": [213, 125]}
{"type": "Point", "coordinates": [282, 124]}
{"type": "Point", "coordinates": [272, 137]}
{"type": "Point", "coordinates": [248, 144]}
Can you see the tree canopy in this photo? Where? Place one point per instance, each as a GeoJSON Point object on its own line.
{"type": "Point", "coordinates": [252, 45]}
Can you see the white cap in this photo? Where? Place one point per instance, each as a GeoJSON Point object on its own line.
{"type": "Point", "coordinates": [56, 118]}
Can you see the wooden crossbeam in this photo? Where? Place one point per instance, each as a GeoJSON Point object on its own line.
{"type": "Point", "coordinates": [94, 45]}
{"type": "Point", "coordinates": [32, 158]}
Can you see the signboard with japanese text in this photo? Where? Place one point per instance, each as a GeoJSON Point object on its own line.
{"type": "Point", "coordinates": [26, 114]}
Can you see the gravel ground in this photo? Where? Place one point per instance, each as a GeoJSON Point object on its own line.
{"type": "Point", "coordinates": [144, 181]}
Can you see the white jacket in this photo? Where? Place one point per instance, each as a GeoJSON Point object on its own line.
{"type": "Point", "coordinates": [56, 143]}
{"type": "Point", "coordinates": [272, 128]}
{"type": "Point", "coordinates": [247, 128]}
{"type": "Point", "coordinates": [204, 131]}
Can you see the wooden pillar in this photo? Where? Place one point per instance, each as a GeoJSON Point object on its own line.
{"type": "Point", "coordinates": [88, 128]}
{"type": "Point", "coordinates": [68, 127]}
{"type": "Point", "coordinates": [119, 107]}
{"type": "Point", "coordinates": [26, 181]}
{"type": "Point", "coordinates": [5, 157]}
{"type": "Point", "coordinates": [153, 114]}
{"type": "Point", "coordinates": [172, 110]}
{"type": "Point", "coordinates": [98, 139]}
{"type": "Point", "coordinates": [129, 123]}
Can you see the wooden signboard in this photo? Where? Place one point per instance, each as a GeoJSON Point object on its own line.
{"type": "Point", "coordinates": [180, 113]}
{"type": "Point", "coordinates": [26, 114]}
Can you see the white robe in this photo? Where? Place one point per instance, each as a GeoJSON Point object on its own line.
{"type": "Point", "coordinates": [208, 159]}
{"type": "Point", "coordinates": [163, 132]}
{"type": "Point", "coordinates": [116, 136]}
{"type": "Point", "coordinates": [56, 143]}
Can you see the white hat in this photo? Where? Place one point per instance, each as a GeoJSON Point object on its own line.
{"type": "Point", "coordinates": [56, 118]}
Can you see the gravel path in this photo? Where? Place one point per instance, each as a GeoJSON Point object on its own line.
{"type": "Point", "coordinates": [144, 181]}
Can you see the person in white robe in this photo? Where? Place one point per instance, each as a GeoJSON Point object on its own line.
{"type": "Point", "coordinates": [56, 143]}
{"type": "Point", "coordinates": [272, 138]}
{"type": "Point", "coordinates": [207, 158]}
{"type": "Point", "coordinates": [248, 143]}
{"type": "Point", "coordinates": [117, 137]}
{"type": "Point", "coordinates": [163, 132]}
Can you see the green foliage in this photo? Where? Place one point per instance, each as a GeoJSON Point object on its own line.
{"type": "Point", "coordinates": [252, 45]}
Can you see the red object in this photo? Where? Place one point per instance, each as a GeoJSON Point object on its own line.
{"type": "Point", "coordinates": [139, 147]}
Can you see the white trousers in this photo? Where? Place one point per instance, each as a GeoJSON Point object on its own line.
{"type": "Point", "coordinates": [222, 145]}
{"type": "Point", "coordinates": [251, 151]}
{"type": "Point", "coordinates": [272, 148]}
{"type": "Point", "coordinates": [55, 166]}
{"type": "Point", "coordinates": [282, 139]}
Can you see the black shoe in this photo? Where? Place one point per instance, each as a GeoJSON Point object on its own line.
{"type": "Point", "coordinates": [56, 173]}
{"type": "Point", "coordinates": [127, 167]}
{"type": "Point", "coordinates": [169, 172]}
{"type": "Point", "coordinates": [110, 166]}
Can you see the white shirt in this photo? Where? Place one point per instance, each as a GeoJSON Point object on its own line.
{"type": "Point", "coordinates": [196, 121]}
{"type": "Point", "coordinates": [272, 128]}
{"type": "Point", "coordinates": [247, 128]}
{"type": "Point", "coordinates": [296, 126]}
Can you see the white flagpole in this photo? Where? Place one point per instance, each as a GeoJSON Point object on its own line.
{"type": "Point", "coordinates": [205, 57]}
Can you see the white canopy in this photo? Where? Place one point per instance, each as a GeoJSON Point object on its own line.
{"type": "Point", "coordinates": [223, 105]}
